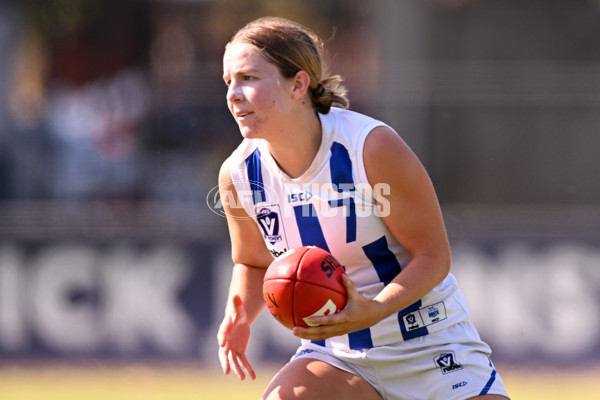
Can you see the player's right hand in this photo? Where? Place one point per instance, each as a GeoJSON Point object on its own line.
{"type": "Point", "coordinates": [233, 337]}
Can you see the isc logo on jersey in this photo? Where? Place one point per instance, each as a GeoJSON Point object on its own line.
{"type": "Point", "coordinates": [268, 218]}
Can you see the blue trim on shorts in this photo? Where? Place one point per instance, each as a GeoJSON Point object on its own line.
{"type": "Point", "coordinates": [360, 339]}
{"type": "Point", "coordinates": [490, 382]}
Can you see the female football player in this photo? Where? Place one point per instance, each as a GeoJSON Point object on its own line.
{"type": "Point", "coordinates": [311, 172]}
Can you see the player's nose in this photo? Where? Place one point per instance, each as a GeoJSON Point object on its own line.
{"type": "Point", "coordinates": [234, 92]}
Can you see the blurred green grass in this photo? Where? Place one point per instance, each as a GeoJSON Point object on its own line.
{"type": "Point", "coordinates": [132, 382]}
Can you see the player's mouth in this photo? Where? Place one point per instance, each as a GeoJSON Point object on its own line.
{"type": "Point", "coordinates": [242, 115]}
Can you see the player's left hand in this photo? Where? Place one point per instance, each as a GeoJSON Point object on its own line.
{"type": "Point", "coordinates": [359, 313]}
{"type": "Point", "coordinates": [233, 338]}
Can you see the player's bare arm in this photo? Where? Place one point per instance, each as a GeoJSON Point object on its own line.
{"type": "Point", "coordinates": [247, 243]}
{"type": "Point", "coordinates": [414, 218]}
{"type": "Point", "coordinates": [244, 304]}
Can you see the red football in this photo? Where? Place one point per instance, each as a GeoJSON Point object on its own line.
{"type": "Point", "coordinates": [304, 282]}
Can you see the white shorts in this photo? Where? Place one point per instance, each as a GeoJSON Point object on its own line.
{"type": "Point", "coordinates": [453, 364]}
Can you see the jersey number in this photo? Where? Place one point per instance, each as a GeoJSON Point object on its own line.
{"type": "Point", "coordinates": [309, 226]}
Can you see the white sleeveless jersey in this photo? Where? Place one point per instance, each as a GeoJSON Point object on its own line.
{"type": "Point", "coordinates": [332, 206]}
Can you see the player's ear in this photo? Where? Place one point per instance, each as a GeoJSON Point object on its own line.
{"type": "Point", "coordinates": [301, 84]}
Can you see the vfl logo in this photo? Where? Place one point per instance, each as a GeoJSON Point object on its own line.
{"type": "Point", "coordinates": [412, 322]}
{"type": "Point", "coordinates": [269, 219]}
{"type": "Point", "coordinates": [447, 362]}
{"type": "Point", "coordinates": [269, 224]}
{"type": "Point", "coordinates": [411, 319]}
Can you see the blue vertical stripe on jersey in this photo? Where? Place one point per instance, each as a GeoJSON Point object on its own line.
{"type": "Point", "coordinates": [413, 333]}
{"type": "Point", "coordinates": [360, 339]}
{"type": "Point", "coordinates": [350, 216]}
{"type": "Point", "coordinates": [309, 227]}
{"type": "Point", "coordinates": [383, 259]}
{"type": "Point", "coordinates": [340, 167]}
{"type": "Point", "coordinates": [255, 178]}
{"type": "Point", "coordinates": [311, 233]}
{"type": "Point", "coordinates": [490, 382]}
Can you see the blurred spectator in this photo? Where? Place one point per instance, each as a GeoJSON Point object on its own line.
{"type": "Point", "coordinates": [94, 130]}
{"type": "Point", "coordinates": [78, 91]}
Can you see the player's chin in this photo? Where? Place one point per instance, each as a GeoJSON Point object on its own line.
{"type": "Point", "coordinates": [248, 132]}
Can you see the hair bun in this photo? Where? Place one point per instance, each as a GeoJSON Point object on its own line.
{"type": "Point", "coordinates": [320, 90]}
{"type": "Point", "coordinates": [329, 92]}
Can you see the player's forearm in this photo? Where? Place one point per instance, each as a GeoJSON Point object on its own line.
{"type": "Point", "coordinates": [419, 277]}
{"type": "Point", "coordinates": [246, 281]}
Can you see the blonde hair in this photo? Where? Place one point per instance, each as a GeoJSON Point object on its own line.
{"type": "Point", "coordinates": [291, 48]}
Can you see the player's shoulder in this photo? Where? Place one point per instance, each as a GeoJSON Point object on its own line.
{"type": "Point", "coordinates": [351, 117]}
{"type": "Point", "coordinates": [388, 158]}
{"type": "Point", "coordinates": [383, 139]}
{"type": "Point", "coordinates": [242, 152]}
{"type": "Point", "coordinates": [384, 145]}
{"type": "Point", "coordinates": [237, 159]}
{"type": "Point", "coordinates": [349, 126]}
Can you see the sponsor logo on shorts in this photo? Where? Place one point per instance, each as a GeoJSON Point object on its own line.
{"type": "Point", "coordinates": [302, 353]}
{"type": "Point", "coordinates": [447, 362]}
{"type": "Point", "coordinates": [425, 316]}
{"type": "Point", "coordinates": [459, 385]}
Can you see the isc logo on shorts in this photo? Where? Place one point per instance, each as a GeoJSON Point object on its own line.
{"type": "Point", "coordinates": [447, 362]}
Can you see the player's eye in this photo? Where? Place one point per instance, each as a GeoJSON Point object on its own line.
{"type": "Point", "coordinates": [248, 78]}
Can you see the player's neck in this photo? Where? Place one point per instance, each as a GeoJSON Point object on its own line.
{"type": "Point", "coordinates": [296, 151]}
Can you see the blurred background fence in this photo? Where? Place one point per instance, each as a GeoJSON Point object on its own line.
{"type": "Point", "coordinates": [113, 125]}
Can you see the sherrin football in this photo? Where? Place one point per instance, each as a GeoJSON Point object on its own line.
{"type": "Point", "coordinates": [302, 283]}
